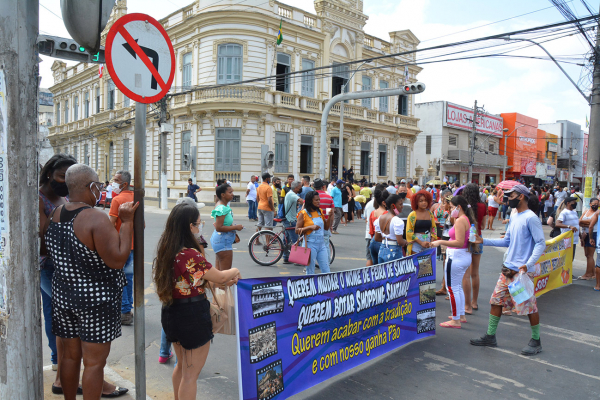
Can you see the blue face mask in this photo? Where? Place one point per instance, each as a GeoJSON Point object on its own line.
{"type": "Point", "coordinates": [97, 199]}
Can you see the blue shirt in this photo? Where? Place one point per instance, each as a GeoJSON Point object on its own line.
{"type": "Point", "coordinates": [192, 190]}
{"type": "Point", "coordinates": [336, 193]}
{"type": "Point", "coordinates": [305, 189]}
{"type": "Point", "coordinates": [527, 244]}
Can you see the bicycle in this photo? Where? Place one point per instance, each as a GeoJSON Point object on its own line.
{"type": "Point", "coordinates": [267, 247]}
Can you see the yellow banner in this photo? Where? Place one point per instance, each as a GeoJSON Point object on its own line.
{"type": "Point", "coordinates": [555, 267]}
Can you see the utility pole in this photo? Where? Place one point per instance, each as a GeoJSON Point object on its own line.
{"type": "Point", "coordinates": [162, 155]}
{"type": "Point", "coordinates": [20, 318]}
{"type": "Point", "coordinates": [472, 147]}
{"type": "Point", "coordinates": [593, 153]}
{"type": "Point", "coordinates": [570, 155]}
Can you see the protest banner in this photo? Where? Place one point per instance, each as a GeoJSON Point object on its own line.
{"type": "Point", "coordinates": [555, 267]}
{"type": "Point", "coordinates": [295, 332]}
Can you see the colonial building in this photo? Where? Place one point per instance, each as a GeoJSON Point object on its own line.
{"type": "Point", "coordinates": [233, 41]}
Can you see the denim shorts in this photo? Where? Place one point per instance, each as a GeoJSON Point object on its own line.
{"type": "Point", "coordinates": [477, 249]}
{"type": "Point", "coordinates": [222, 241]}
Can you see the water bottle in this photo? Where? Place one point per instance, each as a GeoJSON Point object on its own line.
{"type": "Point", "coordinates": [472, 234]}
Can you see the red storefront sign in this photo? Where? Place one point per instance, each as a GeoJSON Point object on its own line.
{"type": "Point", "coordinates": [528, 166]}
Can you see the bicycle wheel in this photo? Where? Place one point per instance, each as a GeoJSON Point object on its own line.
{"type": "Point", "coordinates": [331, 252]}
{"type": "Point", "coordinates": [265, 248]}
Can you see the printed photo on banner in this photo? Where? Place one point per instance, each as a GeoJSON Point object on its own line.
{"type": "Point", "coordinates": [426, 292]}
{"type": "Point", "coordinates": [263, 342]}
{"type": "Point", "coordinates": [267, 298]}
{"type": "Point", "coordinates": [425, 266]}
{"type": "Point", "coordinates": [426, 320]}
{"type": "Point", "coordinates": [269, 381]}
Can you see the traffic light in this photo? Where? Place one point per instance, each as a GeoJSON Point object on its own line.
{"type": "Point", "coordinates": [269, 160]}
{"type": "Point", "coordinates": [414, 88]}
{"type": "Point", "coordinates": [67, 49]}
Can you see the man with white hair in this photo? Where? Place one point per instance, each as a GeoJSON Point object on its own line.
{"type": "Point", "coordinates": [123, 194]}
{"type": "Point", "coordinates": [88, 281]}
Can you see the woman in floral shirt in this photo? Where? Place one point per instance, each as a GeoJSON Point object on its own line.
{"type": "Point", "coordinates": [421, 227]}
{"type": "Point", "coordinates": [180, 273]}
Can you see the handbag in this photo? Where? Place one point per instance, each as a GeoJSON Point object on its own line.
{"type": "Point", "coordinates": [222, 311]}
{"type": "Point", "coordinates": [300, 254]}
{"type": "Point", "coordinates": [237, 238]}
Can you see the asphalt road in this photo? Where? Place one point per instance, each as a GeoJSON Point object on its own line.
{"type": "Point", "coordinates": [444, 366]}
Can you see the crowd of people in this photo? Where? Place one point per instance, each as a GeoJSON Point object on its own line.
{"type": "Point", "coordinates": [91, 285]}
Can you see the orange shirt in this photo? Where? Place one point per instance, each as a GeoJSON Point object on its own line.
{"type": "Point", "coordinates": [263, 192]}
{"type": "Point", "coordinates": [124, 197]}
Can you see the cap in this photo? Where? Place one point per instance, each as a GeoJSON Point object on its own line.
{"type": "Point", "coordinates": [571, 198]}
{"type": "Point", "coordinates": [339, 181]}
{"type": "Point", "coordinates": [318, 183]}
{"type": "Point", "coordinates": [403, 181]}
{"type": "Point", "coordinates": [521, 189]}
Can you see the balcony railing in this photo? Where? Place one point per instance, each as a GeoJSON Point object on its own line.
{"type": "Point", "coordinates": [368, 41]}
{"type": "Point", "coordinates": [231, 176]}
{"type": "Point", "coordinates": [490, 160]}
{"type": "Point", "coordinates": [285, 13]}
{"type": "Point", "coordinates": [310, 21]}
{"type": "Point", "coordinates": [232, 93]}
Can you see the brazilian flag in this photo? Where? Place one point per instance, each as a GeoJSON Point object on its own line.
{"type": "Point", "coordinates": [279, 35]}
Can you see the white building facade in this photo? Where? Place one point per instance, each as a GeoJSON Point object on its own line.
{"type": "Point", "coordinates": [217, 44]}
{"type": "Point", "coordinates": [443, 147]}
{"type": "Point", "coordinates": [570, 136]}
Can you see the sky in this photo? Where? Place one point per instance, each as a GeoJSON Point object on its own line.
{"type": "Point", "coordinates": [536, 88]}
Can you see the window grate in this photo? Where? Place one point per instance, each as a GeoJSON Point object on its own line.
{"type": "Point", "coordinates": [428, 144]}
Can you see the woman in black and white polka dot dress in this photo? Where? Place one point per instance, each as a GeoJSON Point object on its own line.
{"type": "Point", "coordinates": [89, 255]}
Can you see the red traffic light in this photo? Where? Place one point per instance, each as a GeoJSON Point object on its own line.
{"type": "Point", "coordinates": [407, 88]}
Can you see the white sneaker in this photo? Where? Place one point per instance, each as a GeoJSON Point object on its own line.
{"type": "Point", "coordinates": [54, 367]}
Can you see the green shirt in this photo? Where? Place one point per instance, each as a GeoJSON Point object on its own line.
{"type": "Point", "coordinates": [223, 210]}
{"type": "Point", "coordinates": [290, 205]}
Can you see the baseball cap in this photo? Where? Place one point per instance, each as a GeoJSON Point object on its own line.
{"type": "Point", "coordinates": [521, 189]}
{"type": "Point", "coordinates": [571, 198]}
{"type": "Point", "coordinates": [339, 181]}
{"type": "Point", "coordinates": [318, 183]}
{"type": "Point", "coordinates": [403, 181]}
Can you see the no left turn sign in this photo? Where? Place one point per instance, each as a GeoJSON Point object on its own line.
{"type": "Point", "coordinates": [140, 58]}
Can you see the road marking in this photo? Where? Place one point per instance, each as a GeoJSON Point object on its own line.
{"type": "Point", "coordinates": [582, 338]}
{"type": "Point", "coordinates": [116, 379]}
{"type": "Point", "coordinates": [537, 360]}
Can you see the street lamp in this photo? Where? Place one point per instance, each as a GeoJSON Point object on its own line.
{"type": "Point", "coordinates": [505, 156]}
{"type": "Point", "coordinates": [341, 137]}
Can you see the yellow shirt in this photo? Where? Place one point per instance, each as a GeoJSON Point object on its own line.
{"type": "Point", "coordinates": [275, 197]}
{"type": "Point", "coordinates": [356, 187]}
{"type": "Point", "coordinates": [366, 192]}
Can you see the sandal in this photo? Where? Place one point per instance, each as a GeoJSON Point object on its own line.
{"type": "Point", "coordinates": [59, 390]}
{"type": "Point", "coordinates": [441, 293]}
{"type": "Point", "coordinates": [448, 325]}
{"type": "Point", "coordinates": [118, 392]}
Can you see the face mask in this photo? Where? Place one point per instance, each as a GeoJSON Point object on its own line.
{"type": "Point", "coordinates": [572, 206]}
{"type": "Point", "coordinates": [513, 203]}
{"type": "Point", "coordinates": [455, 212]}
{"type": "Point", "coordinates": [396, 211]}
{"type": "Point", "coordinates": [198, 235]}
{"type": "Point", "coordinates": [594, 207]}
{"type": "Point", "coordinates": [59, 189]}
{"type": "Point", "coordinates": [97, 198]}
{"type": "Point", "coordinates": [402, 195]}
{"type": "Point", "coordinates": [116, 187]}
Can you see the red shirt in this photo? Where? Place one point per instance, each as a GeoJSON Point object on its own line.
{"type": "Point", "coordinates": [189, 268]}
{"type": "Point", "coordinates": [326, 201]}
{"type": "Point", "coordinates": [480, 214]}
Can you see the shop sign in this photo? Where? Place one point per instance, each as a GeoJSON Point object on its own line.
{"type": "Point", "coordinates": [552, 147]}
{"type": "Point", "coordinates": [462, 118]}
{"type": "Point", "coordinates": [476, 170]}
{"type": "Point", "coordinates": [540, 171]}
{"type": "Point", "coordinates": [550, 170]}
{"type": "Point", "coordinates": [563, 175]}
{"type": "Point", "coordinates": [528, 166]}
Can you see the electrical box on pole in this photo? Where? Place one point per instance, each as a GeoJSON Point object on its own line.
{"type": "Point", "coordinates": [85, 20]}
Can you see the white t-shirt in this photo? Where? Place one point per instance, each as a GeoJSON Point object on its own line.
{"type": "Point", "coordinates": [329, 187]}
{"type": "Point", "coordinates": [492, 202]}
{"type": "Point", "coordinates": [109, 191]}
{"type": "Point", "coordinates": [396, 229]}
{"type": "Point", "coordinates": [560, 196]}
{"type": "Point", "coordinates": [569, 218]}
{"type": "Point", "coordinates": [549, 200]}
{"type": "Point", "coordinates": [369, 208]}
{"type": "Point", "coordinates": [391, 189]}
{"type": "Point", "coordinates": [252, 194]}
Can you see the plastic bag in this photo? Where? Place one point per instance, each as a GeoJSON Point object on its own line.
{"type": "Point", "coordinates": [222, 311]}
{"type": "Point", "coordinates": [521, 288]}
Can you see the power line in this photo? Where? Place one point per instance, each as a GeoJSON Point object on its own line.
{"type": "Point", "coordinates": [52, 12]}
{"type": "Point", "coordinates": [498, 36]}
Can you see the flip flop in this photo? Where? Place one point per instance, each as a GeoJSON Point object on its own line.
{"type": "Point", "coordinates": [475, 308]}
{"type": "Point", "coordinates": [118, 392]}
{"type": "Point", "coordinates": [462, 322]}
{"type": "Point", "coordinates": [440, 293]}
{"type": "Point", "coordinates": [597, 290]}
{"type": "Point", "coordinates": [446, 325]}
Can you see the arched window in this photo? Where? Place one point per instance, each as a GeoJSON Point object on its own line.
{"type": "Point", "coordinates": [229, 63]}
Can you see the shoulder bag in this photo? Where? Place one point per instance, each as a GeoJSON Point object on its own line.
{"type": "Point", "coordinates": [222, 310]}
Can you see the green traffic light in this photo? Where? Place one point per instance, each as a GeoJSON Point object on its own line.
{"type": "Point", "coordinates": [81, 49]}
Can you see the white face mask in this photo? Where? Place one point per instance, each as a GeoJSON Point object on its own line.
{"type": "Point", "coordinates": [199, 233]}
{"type": "Point", "coordinates": [116, 187]}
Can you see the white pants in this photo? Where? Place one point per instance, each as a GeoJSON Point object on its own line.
{"type": "Point", "coordinates": [457, 262]}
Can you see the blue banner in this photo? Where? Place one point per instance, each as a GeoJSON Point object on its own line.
{"type": "Point", "coordinates": [295, 332]}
